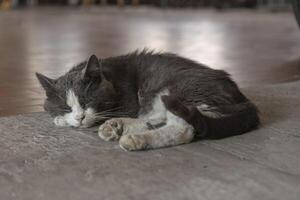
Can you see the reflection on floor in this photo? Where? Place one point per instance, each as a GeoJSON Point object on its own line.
{"type": "Point", "coordinates": [256, 48]}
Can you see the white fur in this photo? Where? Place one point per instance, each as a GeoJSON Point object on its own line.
{"type": "Point", "coordinates": [176, 131]}
{"type": "Point", "coordinates": [78, 116]}
{"type": "Point", "coordinates": [60, 121]}
{"type": "Point", "coordinates": [137, 136]}
{"type": "Point", "coordinates": [207, 110]}
{"type": "Point", "coordinates": [161, 114]}
{"type": "Point", "coordinates": [90, 117]}
{"type": "Point", "coordinates": [158, 112]}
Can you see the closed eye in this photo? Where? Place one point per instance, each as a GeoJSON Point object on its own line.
{"type": "Point", "coordinates": [62, 108]}
{"type": "Point", "coordinates": [66, 108]}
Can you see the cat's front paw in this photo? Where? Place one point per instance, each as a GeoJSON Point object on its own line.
{"type": "Point", "coordinates": [60, 121]}
{"type": "Point", "coordinates": [133, 142]}
{"type": "Point", "coordinates": [111, 130]}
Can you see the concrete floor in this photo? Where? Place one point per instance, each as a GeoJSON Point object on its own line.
{"type": "Point", "coordinates": [255, 47]}
{"type": "Point", "coordinates": [41, 161]}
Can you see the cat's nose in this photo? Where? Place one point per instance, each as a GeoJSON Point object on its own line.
{"type": "Point", "coordinates": [79, 117]}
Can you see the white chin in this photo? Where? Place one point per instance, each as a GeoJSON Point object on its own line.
{"type": "Point", "coordinates": [74, 123]}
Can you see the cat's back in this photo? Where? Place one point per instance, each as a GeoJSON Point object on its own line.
{"type": "Point", "coordinates": [168, 66]}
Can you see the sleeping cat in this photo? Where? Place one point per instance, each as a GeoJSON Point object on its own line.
{"type": "Point", "coordinates": [149, 100]}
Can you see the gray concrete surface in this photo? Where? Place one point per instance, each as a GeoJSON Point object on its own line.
{"type": "Point", "coordinates": [40, 161]}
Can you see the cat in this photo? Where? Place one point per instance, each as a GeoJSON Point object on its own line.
{"type": "Point", "coordinates": [149, 100]}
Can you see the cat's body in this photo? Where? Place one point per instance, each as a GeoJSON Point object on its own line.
{"type": "Point", "coordinates": [163, 100]}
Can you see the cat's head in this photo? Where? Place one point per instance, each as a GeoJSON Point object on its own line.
{"type": "Point", "coordinates": [81, 97]}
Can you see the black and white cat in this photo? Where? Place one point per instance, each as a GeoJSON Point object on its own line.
{"type": "Point", "coordinates": [149, 100]}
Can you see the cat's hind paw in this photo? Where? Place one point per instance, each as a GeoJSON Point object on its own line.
{"type": "Point", "coordinates": [111, 130]}
{"type": "Point", "coordinates": [133, 142]}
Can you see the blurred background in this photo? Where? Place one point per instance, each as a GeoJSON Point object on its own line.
{"type": "Point", "coordinates": [256, 41]}
{"type": "Point", "coordinates": [219, 4]}
{"type": "Point", "coordinates": [161, 3]}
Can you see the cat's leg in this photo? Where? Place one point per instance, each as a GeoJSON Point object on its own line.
{"type": "Point", "coordinates": [114, 128]}
{"type": "Point", "coordinates": [176, 131]}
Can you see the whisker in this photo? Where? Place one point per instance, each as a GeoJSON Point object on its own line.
{"type": "Point", "coordinates": [110, 113]}
{"type": "Point", "coordinates": [106, 111]}
{"type": "Point", "coordinates": [100, 117]}
{"type": "Point", "coordinates": [113, 114]}
{"type": "Point", "coordinates": [116, 112]}
{"type": "Point", "coordinates": [113, 109]}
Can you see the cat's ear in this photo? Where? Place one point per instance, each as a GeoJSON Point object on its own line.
{"type": "Point", "coordinates": [46, 83]}
{"type": "Point", "coordinates": [92, 69]}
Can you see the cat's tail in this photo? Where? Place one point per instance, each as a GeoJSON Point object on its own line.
{"type": "Point", "coordinates": [216, 122]}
